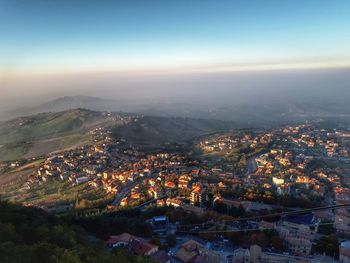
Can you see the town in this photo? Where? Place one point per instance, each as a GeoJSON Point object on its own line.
{"type": "Point", "coordinates": [253, 195]}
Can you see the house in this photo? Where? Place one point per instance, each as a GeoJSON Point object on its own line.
{"type": "Point", "coordinates": [80, 180]}
{"type": "Point", "coordinates": [342, 221]}
{"type": "Point", "coordinates": [173, 202]}
{"type": "Point", "coordinates": [120, 240]}
{"type": "Point", "coordinates": [299, 226]}
{"type": "Point", "coordinates": [256, 255]}
{"type": "Point", "coordinates": [170, 184]}
{"type": "Point", "coordinates": [183, 181]}
{"type": "Point", "coordinates": [241, 255]}
{"type": "Point", "coordinates": [197, 195]}
{"type": "Point", "coordinates": [136, 245]}
{"type": "Point", "coordinates": [142, 248]}
{"type": "Point", "coordinates": [155, 192]}
{"type": "Point", "coordinates": [194, 252]}
{"type": "Point", "coordinates": [298, 246]}
{"type": "Point", "coordinates": [277, 181]}
{"type": "Point", "coordinates": [125, 201]}
{"type": "Point", "coordinates": [160, 223]}
{"type": "Point", "coordinates": [287, 229]}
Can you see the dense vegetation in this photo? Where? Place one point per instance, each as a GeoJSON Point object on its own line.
{"type": "Point", "coordinates": [31, 235]}
{"type": "Point", "coordinates": [105, 224]}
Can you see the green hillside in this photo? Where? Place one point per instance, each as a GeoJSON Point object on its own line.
{"type": "Point", "coordinates": [153, 132]}
{"type": "Point", "coordinates": [46, 132]}
{"type": "Point", "coordinates": [46, 125]}
{"type": "Point", "coordinates": [40, 134]}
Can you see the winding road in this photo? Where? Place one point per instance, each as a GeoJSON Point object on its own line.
{"type": "Point", "coordinates": [127, 189]}
{"type": "Point", "coordinates": [251, 166]}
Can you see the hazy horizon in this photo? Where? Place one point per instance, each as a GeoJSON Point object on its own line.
{"type": "Point", "coordinates": [205, 55]}
{"type": "Point", "coordinates": [189, 87]}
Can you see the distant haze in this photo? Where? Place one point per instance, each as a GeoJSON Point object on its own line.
{"type": "Point", "coordinates": [325, 91]}
{"type": "Point", "coordinates": [204, 87]}
{"type": "Point", "coordinates": [252, 61]}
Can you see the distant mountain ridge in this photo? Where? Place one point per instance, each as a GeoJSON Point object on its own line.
{"type": "Point", "coordinates": [262, 113]}
{"type": "Point", "coordinates": [66, 103]}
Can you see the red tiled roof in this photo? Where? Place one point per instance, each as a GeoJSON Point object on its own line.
{"type": "Point", "coordinates": [125, 237]}
{"type": "Point", "coordinates": [140, 247]}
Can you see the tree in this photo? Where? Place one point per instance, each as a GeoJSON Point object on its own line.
{"type": "Point", "coordinates": [155, 240]}
{"type": "Point", "coordinates": [277, 242]}
{"type": "Point", "coordinates": [260, 239]}
{"type": "Point", "coordinates": [326, 229]}
{"type": "Point", "coordinates": [45, 252]}
{"type": "Point", "coordinates": [329, 245]}
{"type": "Point", "coordinates": [235, 238]}
{"type": "Point", "coordinates": [29, 235]}
{"type": "Point", "coordinates": [7, 232]}
{"type": "Point", "coordinates": [171, 240]}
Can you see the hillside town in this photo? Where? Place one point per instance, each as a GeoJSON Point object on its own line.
{"type": "Point", "coordinates": [240, 179]}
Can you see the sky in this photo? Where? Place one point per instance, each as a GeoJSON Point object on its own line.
{"type": "Point", "coordinates": [42, 39]}
{"type": "Point", "coordinates": [40, 36]}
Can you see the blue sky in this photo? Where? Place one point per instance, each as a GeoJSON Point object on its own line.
{"type": "Point", "coordinates": [41, 37]}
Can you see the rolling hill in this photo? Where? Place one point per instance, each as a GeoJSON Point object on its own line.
{"type": "Point", "coordinates": [47, 125]}
{"type": "Point", "coordinates": [265, 112]}
{"type": "Point", "coordinates": [151, 132]}
{"type": "Point", "coordinates": [32, 136]}
{"type": "Point", "coordinates": [64, 104]}
{"type": "Point", "coordinates": [40, 134]}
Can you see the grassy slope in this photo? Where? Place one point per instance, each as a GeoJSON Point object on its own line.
{"type": "Point", "coordinates": [14, 179]}
{"type": "Point", "coordinates": [46, 132]}
{"type": "Point", "coordinates": [46, 125]}
{"type": "Point", "coordinates": [40, 134]}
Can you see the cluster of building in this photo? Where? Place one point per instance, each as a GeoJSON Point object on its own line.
{"type": "Point", "coordinates": [218, 143]}
{"type": "Point", "coordinates": [234, 141]}
{"type": "Point", "coordinates": [312, 136]}
{"type": "Point", "coordinates": [196, 250]}
{"type": "Point", "coordinates": [285, 173]}
{"type": "Point", "coordinates": [280, 165]}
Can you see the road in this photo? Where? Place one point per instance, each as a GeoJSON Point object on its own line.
{"type": "Point", "coordinates": [150, 202]}
{"type": "Point", "coordinates": [127, 189]}
{"type": "Point", "coordinates": [251, 166]}
{"type": "Point", "coordinates": [125, 192]}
